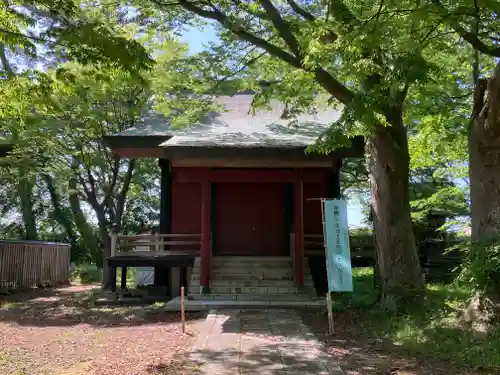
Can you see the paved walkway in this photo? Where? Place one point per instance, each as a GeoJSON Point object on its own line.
{"type": "Point", "coordinates": [262, 342]}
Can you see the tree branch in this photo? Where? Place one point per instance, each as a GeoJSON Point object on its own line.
{"type": "Point", "coordinates": [325, 79]}
{"type": "Point", "coordinates": [282, 27]}
{"type": "Point", "coordinates": [470, 37]}
{"type": "Point", "coordinates": [21, 35]}
{"type": "Point", "coordinates": [5, 62]}
{"type": "Point", "coordinates": [243, 34]}
{"type": "Point", "coordinates": [342, 13]}
{"type": "Point", "coordinates": [301, 11]}
{"type": "Point", "coordinates": [120, 200]}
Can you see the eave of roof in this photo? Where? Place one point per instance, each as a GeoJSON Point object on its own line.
{"type": "Point", "coordinates": [235, 127]}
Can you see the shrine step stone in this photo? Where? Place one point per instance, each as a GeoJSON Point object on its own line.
{"type": "Point", "coordinates": [252, 278]}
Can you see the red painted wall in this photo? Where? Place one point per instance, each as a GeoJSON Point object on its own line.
{"type": "Point", "coordinates": [250, 219]}
{"type": "Point", "coordinates": [186, 207]}
{"type": "Point", "coordinates": [243, 205]}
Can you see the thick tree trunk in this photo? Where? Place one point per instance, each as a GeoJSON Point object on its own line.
{"type": "Point", "coordinates": [484, 176]}
{"type": "Point", "coordinates": [400, 274]}
{"type": "Point", "coordinates": [25, 191]}
{"type": "Point", "coordinates": [484, 161]}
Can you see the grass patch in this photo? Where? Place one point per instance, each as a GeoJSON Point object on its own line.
{"type": "Point", "coordinates": [89, 273]}
{"type": "Point", "coordinates": [434, 333]}
{"type": "Point", "coordinates": [131, 279]}
{"type": "Point", "coordinates": [364, 296]}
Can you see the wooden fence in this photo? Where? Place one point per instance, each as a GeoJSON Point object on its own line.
{"type": "Point", "coordinates": [26, 264]}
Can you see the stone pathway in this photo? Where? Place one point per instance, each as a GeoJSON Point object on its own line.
{"type": "Point", "coordinates": [263, 342]}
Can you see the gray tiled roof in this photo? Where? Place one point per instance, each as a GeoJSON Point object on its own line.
{"type": "Point", "coordinates": [237, 127]}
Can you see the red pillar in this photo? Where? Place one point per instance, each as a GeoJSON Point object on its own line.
{"type": "Point", "coordinates": [205, 251]}
{"type": "Point", "coordinates": [298, 215]}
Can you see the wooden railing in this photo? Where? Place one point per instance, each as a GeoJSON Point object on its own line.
{"type": "Point", "coordinates": [27, 264]}
{"type": "Point", "coordinates": [314, 244]}
{"type": "Point", "coordinates": [189, 243]}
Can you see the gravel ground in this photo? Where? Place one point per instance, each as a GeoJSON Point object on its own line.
{"type": "Point", "coordinates": [60, 332]}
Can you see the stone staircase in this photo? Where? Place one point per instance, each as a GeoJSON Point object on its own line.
{"type": "Point", "coordinates": [252, 279]}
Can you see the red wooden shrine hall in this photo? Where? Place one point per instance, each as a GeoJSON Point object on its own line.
{"type": "Point", "coordinates": [245, 192]}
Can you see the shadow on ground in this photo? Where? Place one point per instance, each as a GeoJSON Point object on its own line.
{"type": "Point", "coordinates": [260, 342]}
{"type": "Point", "coordinates": [370, 341]}
{"type": "Point", "coordinates": [264, 360]}
{"type": "Point", "coordinates": [76, 305]}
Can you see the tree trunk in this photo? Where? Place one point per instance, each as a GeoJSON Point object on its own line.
{"type": "Point", "coordinates": [400, 274]}
{"type": "Point", "coordinates": [61, 215]}
{"type": "Point", "coordinates": [88, 235]}
{"type": "Point", "coordinates": [484, 161]}
{"type": "Point", "coordinates": [484, 176]}
{"type": "Point", "coordinates": [106, 252]}
{"type": "Point", "coordinates": [25, 191]}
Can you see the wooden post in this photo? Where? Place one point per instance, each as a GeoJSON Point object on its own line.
{"type": "Point", "coordinates": [123, 284]}
{"type": "Point", "coordinates": [165, 196]}
{"type": "Point", "coordinates": [112, 276]}
{"type": "Point", "coordinates": [114, 242]}
{"type": "Point", "coordinates": [329, 308]}
{"type": "Point", "coordinates": [157, 241]}
{"type": "Point", "coordinates": [298, 216]}
{"type": "Point", "coordinates": [205, 237]}
{"type": "Point", "coordinates": [183, 317]}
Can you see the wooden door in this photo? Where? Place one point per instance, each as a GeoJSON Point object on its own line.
{"type": "Point", "coordinates": [250, 219]}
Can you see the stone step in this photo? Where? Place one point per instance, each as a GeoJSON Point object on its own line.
{"type": "Point", "coordinates": [247, 269]}
{"type": "Point", "coordinates": [246, 282]}
{"type": "Point", "coordinates": [268, 264]}
{"type": "Point", "coordinates": [239, 269]}
{"type": "Point", "coordinates": [253, 289]}
{"type": "Point", "coordinates": [252, 297]}
{"type": "Point", "coordinates": [257, 289]}
{"type": "Point", "coordinates": [245, 279]}
{"type": "Point", "coordinates": [247, 276]}
{"type": "Point", "coordinates": [250, 259]}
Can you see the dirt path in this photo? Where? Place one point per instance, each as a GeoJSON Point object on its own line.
{"type": "Point", "coordinates": [60, 332]}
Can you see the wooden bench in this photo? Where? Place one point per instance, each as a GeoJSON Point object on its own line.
{"type": "Point", "coordinates": [162, 250]}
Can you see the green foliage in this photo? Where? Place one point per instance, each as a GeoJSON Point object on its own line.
{"type": "Point", "coordinates": [434, 189]}
{"type": "Point", "coordinates": [88, 273]}
{"type": "Point", "coordinates": [480, 270]}
{"type": "Point", "coordinates": [364, 296]}
{"type": "Point", "coordinates": [69, 30]}
{"type": "Point", "coordinates": [58, 119]}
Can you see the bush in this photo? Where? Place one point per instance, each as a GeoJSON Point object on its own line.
{"type": "Point", "coordinates": [480, 270]}
{"type": "Point", "coordinates": [88, 273]}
